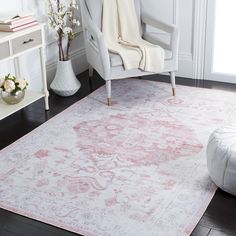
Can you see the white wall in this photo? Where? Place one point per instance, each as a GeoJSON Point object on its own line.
{"type": "Point", "coordinates": [30, 63]}
{"type": "Point", "coordinates": [189, 15]}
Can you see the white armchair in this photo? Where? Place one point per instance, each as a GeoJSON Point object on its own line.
{"type": "Point", "coordinates": [110, 65]}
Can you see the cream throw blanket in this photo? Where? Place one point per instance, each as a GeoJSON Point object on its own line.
{"type": "Point", "coordinates": [121, 30]}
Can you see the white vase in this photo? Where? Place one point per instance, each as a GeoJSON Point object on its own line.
{"type": "Point", "coordinates": [65, 82]}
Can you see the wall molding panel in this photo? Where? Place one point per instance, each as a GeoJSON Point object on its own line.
{"type": "Point", "coordinates": [199, 29]}
{"type": "Point", "coordinates": [181, 13]}
{"type": "Point", "coordinates": [189, 15]}
{"type": "Point", "coordinates": [191, 58]}
{"type": "Point", "coordinates": [176, 12]}
{"type": "Point", "coordinates": [78, 55]}
{"type": "Point", "coordinates": [183, 18]}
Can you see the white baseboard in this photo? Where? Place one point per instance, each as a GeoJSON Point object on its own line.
{"type": "Point", "coordinates": [80, 65]}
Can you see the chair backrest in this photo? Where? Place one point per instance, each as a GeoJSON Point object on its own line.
{"type": "Point", "coordinates": [95, 10]}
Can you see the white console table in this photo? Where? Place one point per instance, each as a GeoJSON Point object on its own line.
{"type": "Point", "coordinates": [13, 45]}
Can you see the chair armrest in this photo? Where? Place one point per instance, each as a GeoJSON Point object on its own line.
{"type": "Point", "coordinates": [95, 38]}
{"type": "Point", "coordinates": [150, 20]}
{"type": "Point", "coordinates": [147, 19]}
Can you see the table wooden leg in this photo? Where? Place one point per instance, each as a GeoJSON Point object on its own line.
{"type": "Point", "coordinates": [44, 77]}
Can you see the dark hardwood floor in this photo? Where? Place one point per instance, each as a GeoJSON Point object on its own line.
{"type": "Point", "coordinates": [218, 220]}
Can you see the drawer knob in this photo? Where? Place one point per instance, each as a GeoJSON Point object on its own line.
{"type": "Point", "coordinates": [28, 41]}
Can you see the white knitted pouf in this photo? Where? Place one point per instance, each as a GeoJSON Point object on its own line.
{"type": "Point", "coordinates": [221, 158]}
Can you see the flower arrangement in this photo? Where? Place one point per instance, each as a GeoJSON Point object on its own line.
{"type": "Point", "coordinates": [62, 19]}
{"type": "Point", "coordinates": [11, 84]}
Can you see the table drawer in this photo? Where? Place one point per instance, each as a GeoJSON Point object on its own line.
{"type": "Point", "coordinates": [4, 50]}
{"type": "Point", "coordinates": [27, 41]}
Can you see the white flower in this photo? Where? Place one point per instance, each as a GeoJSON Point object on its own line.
{"type": "Point", "coordinates": [60, 21]}
{"type": "Point", "coordinates": [69, 14]}
{"type": "Point", "coordinates": [54, 3]}
{"type": "Point", "coordinates": [57, 28]}
{"type": "Point", "coordinates": [21, 83]}
{"type": "Point", "coordinates": [67, 30]}
{"type": "Point", "coordinates": [76, 22]}
{"type": "Point", "coordinates": [1, 82]}
{"type": "Point", "coordinates": [9, 86]}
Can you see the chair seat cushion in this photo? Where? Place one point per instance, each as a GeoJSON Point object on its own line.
{"type": "Point", "coordinates": [116, 60]}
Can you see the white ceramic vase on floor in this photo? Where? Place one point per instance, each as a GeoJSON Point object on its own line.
{"type": "Point", "coordinates": [65, 82]}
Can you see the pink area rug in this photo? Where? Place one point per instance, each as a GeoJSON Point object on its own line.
{"type": "Point", "coordinates": [136, 168]}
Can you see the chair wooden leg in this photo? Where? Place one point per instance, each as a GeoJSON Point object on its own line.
{"type": "Point", "coordinates": [173, 92]}
{"type": "Point", "coordinates": [108, 87]}
{"type": "Point", "coordinates": [172, 78]}
{"type": "Point", "coordinates": [109, 101]}
{"type": "Point", "coordinates": [90, 71]}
